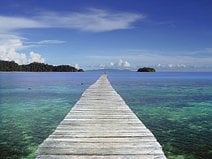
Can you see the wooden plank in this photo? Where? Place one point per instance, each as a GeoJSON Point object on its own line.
{"type": "Point", "coordinates": [101, 134]}
{"type": "Point", "coordinates": [100, 151]}
{"type": "Point", "coordinates": [100, 125]}
{"type": "Point", "coordinates": [99, 117]}
{"type": "Point", "coordinates": [104, 127]}
{"type": "Point", "coordinates": [62, 144]}
{"type": "Point", "coordinates": [134, 156]}
{"type": "Point", "coordinates": [105, 140]}
{"type": "Point", "coordinates": [96, 135]}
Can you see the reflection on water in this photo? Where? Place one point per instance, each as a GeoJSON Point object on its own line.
{"type": "Point", "coordinates": [176, 107]}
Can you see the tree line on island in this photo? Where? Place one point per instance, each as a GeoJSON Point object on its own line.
{"type": "Point", "coordinates": [42, 67]}
{"type": "Point", "coordinates": [36, 67]}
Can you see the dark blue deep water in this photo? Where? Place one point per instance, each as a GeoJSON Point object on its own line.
{"type": "Point", "coordinates": [176, 107]}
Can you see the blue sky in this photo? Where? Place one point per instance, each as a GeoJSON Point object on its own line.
{"type": "Point", "coordinates": [126, 34]}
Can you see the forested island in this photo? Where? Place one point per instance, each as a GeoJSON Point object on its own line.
{"type": "Point", "coordinates": [146, 69]}
{"type": "Point", "coordinates": [36, 67]}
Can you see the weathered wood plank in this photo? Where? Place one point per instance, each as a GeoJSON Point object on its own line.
{"type": "Point", "coordinates": [101, 125]}
{"type": "Point", "coordinates": [62, 144]}
{"type": "Point", "coordinates": [105, 140]}
{"type": "Point", "coordinates": [134, 156]}
{"type": "Point", "coordinates": [101, 151]}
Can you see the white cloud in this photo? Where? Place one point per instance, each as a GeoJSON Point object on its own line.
{"type": "Point", "coordinates": [76, 66]}
{"type": "Point", "coordinates": [8, 48]}
{"type": "Point", "coordinates": [102, 66]}
{"type": "Point", "coordinates": [14, 23]}
{"type": "Point", "coordinates": [9, 44]}
{"type": "Point", "coordinates": [30, 44]}
{"type": "Point", "coordinates": [94, 20]}
{"type": "Point", "coordinates": [23, 59]}
{"type": "Point", "coordinates": [126, 64]}
{"type": "Point", "coordinates": [123, 63]}
{"type": "Point", "coordinates": [111, 64]}
{"type": "Point", "coordinates": [35, 57]}
{"type": "Point", "coordinates": [45, 42]}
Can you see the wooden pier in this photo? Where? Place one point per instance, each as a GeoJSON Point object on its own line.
{"type": "Point", "coordinates": [100, 125]}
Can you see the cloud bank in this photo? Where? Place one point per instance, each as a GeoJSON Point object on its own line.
{"type": "Point", "coordinates": [121, 64]}
{"type": "Point", "coordinates": [159, 60]}
{"type": "Point", "coordinates": [8, 51]}
{"type": "Point", "coordinates": [35, 57]}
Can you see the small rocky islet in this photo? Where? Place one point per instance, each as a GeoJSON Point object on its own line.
{"type": "Point", "coordinates": [146, 69]}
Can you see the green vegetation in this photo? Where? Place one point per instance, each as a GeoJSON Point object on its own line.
{"type": "Point", "coordinates": [36, 67]}
{"type": "Point", "coordinates": [146, 69]}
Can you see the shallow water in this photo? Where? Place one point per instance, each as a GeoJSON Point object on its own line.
{"type": "Point", "coordinates": [32, 105]}
{"type": "Point", "coordinates": [176, 107]}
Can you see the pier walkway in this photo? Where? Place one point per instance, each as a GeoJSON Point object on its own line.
{"type": "Point", "coordinates": [100, 125]}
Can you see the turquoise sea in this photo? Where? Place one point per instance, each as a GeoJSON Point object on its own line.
{"type": "Point", "coordinates": [176, 107]}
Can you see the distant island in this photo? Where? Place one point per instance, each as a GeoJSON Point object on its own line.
{"type": "Point", "coordinates": [36, 67]}
{"type": "Point", "coordinates": [146, 69]}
